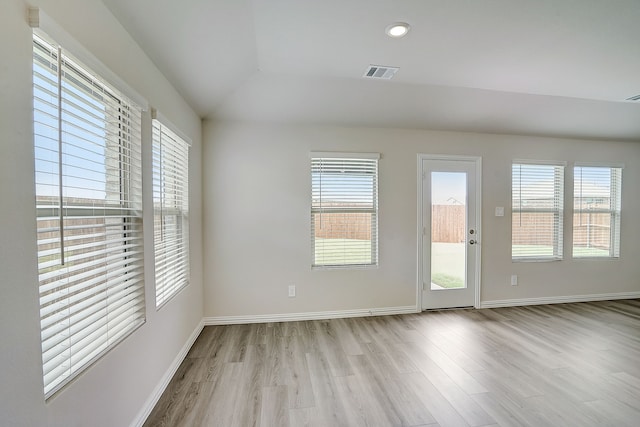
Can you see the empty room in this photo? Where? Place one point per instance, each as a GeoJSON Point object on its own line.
{"type": "Point", "coordinates": [319, 213]}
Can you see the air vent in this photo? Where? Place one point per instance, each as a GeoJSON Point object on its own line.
{"type": "Point", "coordinates": [380, 72]}
{"type": "Point", "coordinates": [634, 98]}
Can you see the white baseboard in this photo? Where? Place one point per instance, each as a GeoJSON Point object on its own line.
{"type": "Point", "coordinates": [320, 315]}
{"type": "Point", "coordinates": [558, 300]}
{"type": "Point", "coordinates": [166, 378]}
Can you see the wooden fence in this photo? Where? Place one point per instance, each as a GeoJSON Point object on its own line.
{"type": "Point", "coordinates": [589, 229]}
{"type": "Point", "coordinates": [592, 230]}
{"type": "Point", "coordinates": [342, 225]}
{"type": "Point", "coordinates": [448, 223]}
{"type": "Point", "coordinates": [448, 226]}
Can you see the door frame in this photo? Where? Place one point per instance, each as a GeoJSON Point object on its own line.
{"type": "Point", "coordinates": [421, 226]}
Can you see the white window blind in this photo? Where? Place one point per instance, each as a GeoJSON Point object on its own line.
{"type": "Point", "coordinates": [171, 212]}
{"type": "Point", "coordinates": [596, 211]}
{"type": "Point", "coordinates": [89, 213]}
{"type": "Point", "coordinates": [537, 211]}
{"type": "Point", "coordinates": [344, 209]}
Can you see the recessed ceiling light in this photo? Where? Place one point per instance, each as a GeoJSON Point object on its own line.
{"type": "Point", "coordinates": [397, 29]}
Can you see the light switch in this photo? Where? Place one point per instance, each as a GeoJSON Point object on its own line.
{"type": "Point", "coordinates": [499, 211]}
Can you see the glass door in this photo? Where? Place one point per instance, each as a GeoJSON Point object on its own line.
{"type": "Point", "coordinates": [450, 241]}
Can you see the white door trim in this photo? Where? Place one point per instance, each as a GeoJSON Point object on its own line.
{"type": "Point", "coordinates": [421, 226]}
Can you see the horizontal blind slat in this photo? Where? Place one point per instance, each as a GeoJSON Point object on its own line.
{"type": "Point", "coordinates": [537, 210]}
{"type": "Point", "coordinates": [344, 207]}
{"type": "Point", "coordinates": [596, 211]}
{"type": "Point", "coordinates": [97, 296]}
{"type": "Point", "coordinates": [170, 157]}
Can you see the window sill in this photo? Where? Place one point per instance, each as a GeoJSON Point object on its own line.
{"type": "Point", "coordinates": [515, 260]}
{"type": "Point", "coordinates": [344, 267]}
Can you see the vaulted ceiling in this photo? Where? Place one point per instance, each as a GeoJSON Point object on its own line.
{"type": "Point", "coordinates": [541, 67]}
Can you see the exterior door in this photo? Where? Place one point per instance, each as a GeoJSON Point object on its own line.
{"type": "Point", "coordinates": [449, 268]}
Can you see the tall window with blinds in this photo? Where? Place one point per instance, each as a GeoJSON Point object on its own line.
{"type": "Point", "coordinates": [344, 209]}
{"type": "Point", "coordinates": [171, 212]}
{"type": "Point", "coordinates": [537, 194]}
{"type": "Point", "coordinates": [596, 211]}
{"type": "Point", "coordinates": [89, 213]}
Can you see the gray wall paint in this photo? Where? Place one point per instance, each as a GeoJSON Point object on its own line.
{"type": "Point", "coordinates": [114, 390]}
{"type": "Point", "coordinates": [257, 221]}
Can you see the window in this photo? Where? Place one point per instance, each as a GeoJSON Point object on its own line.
{"type": "Point", "coordinates": [537, 210]}
{"type": "Point", "coordinates": [89, 213]}
{"type": "Point", "coordinates": [344, 209]}
{"type": "Point", "coordinates": [596, 211]}
{"type": "Point", "coordinates": [170, 212]}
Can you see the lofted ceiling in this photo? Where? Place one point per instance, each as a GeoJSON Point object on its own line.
{"type": "Point", "coordinates": [539, 67]}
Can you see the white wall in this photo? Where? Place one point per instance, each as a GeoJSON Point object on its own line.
{"type": "Point", "coordinates": [257, 220]}
{"type": "Point", "coordinates": [114, 390]}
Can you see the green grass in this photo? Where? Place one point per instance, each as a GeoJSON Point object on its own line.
{"type": "Point", "coordinates": [523, 250]}
{"type": "Point", "coordinates": [448, 264]}
{"type": "Point", "coordinates": [342, 252]}
{"type": "Point", "coordinates": [590, 252]}
{"type": "Point", "coordinates": [447, 281]}
{"type": "Point", "coordinates": [448, 258]}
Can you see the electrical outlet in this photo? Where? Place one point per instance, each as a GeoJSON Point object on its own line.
{"type": "Point", "coordinates": [292, 291]}
{"type": "Point", "coordinates": [514, 280]}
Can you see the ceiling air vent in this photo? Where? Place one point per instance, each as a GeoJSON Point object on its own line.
{"type": "Point", "coordinates": [634, 98]}
{"type": "Point", "coordinates": [380, 72]}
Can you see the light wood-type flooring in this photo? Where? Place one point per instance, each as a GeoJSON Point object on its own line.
{"type": "Point", "coordinates": [549, 365]}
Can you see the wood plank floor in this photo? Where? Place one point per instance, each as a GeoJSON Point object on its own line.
{"type": "Point", "coordinates": [554, 365]}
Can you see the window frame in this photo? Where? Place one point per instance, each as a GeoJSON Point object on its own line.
{"type": "Point", "coordinates": [557, 209]}
{"type": "Point", "coordinates": [171, 219]}
{"type": "Point", "coordinates": [88, 211]}
{"type": "Point", "coordinates": [368, 162]}
{"type": "Point", "coordinates": [615, 208]}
